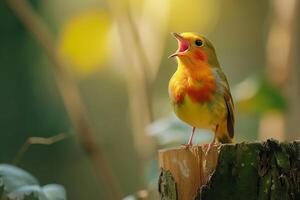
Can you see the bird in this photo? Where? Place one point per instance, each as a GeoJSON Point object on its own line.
{"type": "Point", "coordinates": [199, 91]}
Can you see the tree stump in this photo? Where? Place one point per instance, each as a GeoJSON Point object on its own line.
{"type": "Point", "coordinates": [250, 171]}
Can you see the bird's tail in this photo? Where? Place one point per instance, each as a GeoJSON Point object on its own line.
{"type": "Point", "coordinates": [225, 140]}
{"type": "Point", "coordinates": [223, 135]}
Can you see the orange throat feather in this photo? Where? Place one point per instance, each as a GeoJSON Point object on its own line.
{"type": "Point", "coordinates": [198, 84]}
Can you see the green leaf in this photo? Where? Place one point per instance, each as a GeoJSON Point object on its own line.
{"type": "Point", "coordinates": [257, 95]}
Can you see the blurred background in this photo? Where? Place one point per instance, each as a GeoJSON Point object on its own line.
{"type": "Point", "coordinates": [92, 76]}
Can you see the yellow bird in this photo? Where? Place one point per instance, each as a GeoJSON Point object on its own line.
{"type": "Point", "coordinates": [199, 91]}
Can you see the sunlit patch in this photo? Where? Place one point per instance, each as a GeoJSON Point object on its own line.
{"type": "Point", "coordinates": [193, 15]}
{"type": "Point", "coordinates": [83, 42]}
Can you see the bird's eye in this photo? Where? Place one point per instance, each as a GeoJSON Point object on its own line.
{"type": "Point", "coordinates": [198, 43]}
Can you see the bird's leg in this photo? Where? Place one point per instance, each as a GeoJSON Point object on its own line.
{"type": "Point", "coordinates": [190, 142]}
{"type": "Point", "coordinates": [212, 142]}
{"type": "Point", "coordinates": [191, 137]}
{"type": "Point", "coordinates": [210, 145]}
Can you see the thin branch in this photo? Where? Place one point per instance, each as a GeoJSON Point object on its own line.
{"type": "Point", "coordinates": [38, 140]}
{"type": "Point", "coordinates": [70, 94]}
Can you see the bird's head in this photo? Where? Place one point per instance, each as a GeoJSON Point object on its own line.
{"type": "Point", "coordinates": [194, 49]}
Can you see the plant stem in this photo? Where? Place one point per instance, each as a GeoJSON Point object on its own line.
{"type": "Point", "coordinates": [38, 140]}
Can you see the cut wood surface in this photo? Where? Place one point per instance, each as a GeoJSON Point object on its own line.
{"type": "Point", "coordinates": [260, 170]}
{"type": "Point", "coordinates": [189, 167]}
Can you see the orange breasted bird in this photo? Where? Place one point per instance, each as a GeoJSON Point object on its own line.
{"type": "Point", "coordinates": [199, 91]}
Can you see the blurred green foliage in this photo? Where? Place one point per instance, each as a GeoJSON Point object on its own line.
{"type": "Point", "coordinates": [31, 105]}
{"type": "Point", "coordinates": [261, 98]}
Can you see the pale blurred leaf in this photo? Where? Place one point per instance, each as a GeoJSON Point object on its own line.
{"type": "Point", "coordinates": [13, 178]}
{"type": "Point", "coordinates": [55, 192]}
{"type": "Point", "coordinates": [171, 131]}
{"type": "Point", "coordinates": [130, 197]}
{"type": "Point", "coordinates": [17, 184]}
{"type": "Point", "coordinates": [32, 192]}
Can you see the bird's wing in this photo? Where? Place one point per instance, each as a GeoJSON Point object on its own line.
{"type": "Point", "coordinates": [229, 102]}
{"type": "Point", "coordinates": [230, 115]}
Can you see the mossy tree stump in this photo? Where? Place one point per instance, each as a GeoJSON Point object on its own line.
{"type": "Point", "coordinates": [265, 171]}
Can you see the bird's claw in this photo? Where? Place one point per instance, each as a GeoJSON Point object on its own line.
{"type": "Point", "coordinates": [186, 146]}
{"type": "Point", "coordinates": [207, 149]}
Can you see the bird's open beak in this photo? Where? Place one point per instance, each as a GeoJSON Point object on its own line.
{"type": "Point", "coordinates": [183, 45]}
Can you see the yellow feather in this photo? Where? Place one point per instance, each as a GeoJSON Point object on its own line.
{"type": "Point", "coordinates": [199, 90]}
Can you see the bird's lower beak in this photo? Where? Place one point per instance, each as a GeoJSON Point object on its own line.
{"type": "Point", "coordinates": [183, 45]}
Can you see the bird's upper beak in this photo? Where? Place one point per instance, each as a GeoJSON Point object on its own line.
{"type": "Point", "coordinates": [183, 45]}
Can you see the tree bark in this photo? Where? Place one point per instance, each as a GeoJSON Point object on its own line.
{"type": "Point", "coordinates": [259, 170]}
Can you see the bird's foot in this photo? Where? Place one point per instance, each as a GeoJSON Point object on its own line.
{"type": "Point", "coordinates": [207, 148]}
{"type": "Point", "coordinates": [187, 146]}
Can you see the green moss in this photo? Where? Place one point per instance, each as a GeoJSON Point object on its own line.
{"type": "Point", "coordinates": [167, 186]}
{"type": "Point", "coordinates": [264, 171]}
